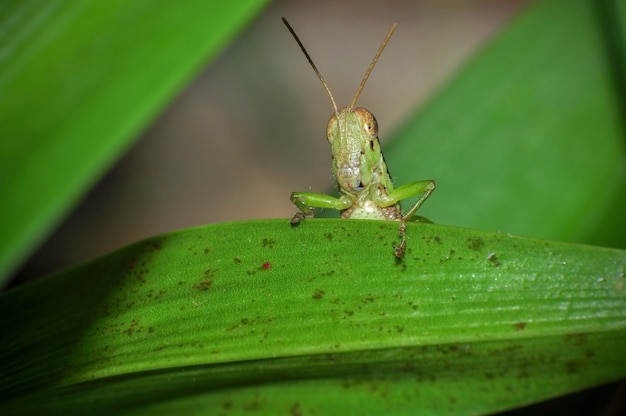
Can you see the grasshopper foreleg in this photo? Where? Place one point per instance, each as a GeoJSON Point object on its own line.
{"type": "Point", "coordinates": [421, 188]}
{"type": "Point", "coordinates": [306, 201]}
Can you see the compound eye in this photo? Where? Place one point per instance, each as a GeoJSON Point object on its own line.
{"type": "Point", "coordinates": [331, 128]}
{"type": "Point", "coordinates": [370, 126]}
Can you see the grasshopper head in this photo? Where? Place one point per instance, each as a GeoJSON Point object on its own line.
{"type": "Point", "coordinates": [358, 124]}
{"type": "Point", "coordinates": [353, 136]}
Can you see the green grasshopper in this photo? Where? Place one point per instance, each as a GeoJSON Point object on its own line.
{"type": "Point", "coordinates": [365, 185]}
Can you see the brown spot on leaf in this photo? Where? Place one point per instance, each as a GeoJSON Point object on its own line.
{"type": "Point", "coordinates": [475, 243]}
{"type": "Point", "coordinates": [133, 327]}
{"type": "Point", "coordinates": [491, 257]}
{"type": "Point", "coordinates": [295, 410]}
{"type": "Point", "coordinates": [571, 367]}
{"type": "Point", "coordinates": [368, 299]}
{"type": "Point", "coordinates": [268, 242]}
{"type": "Point", "coordinates": [318, 294]}
{"type": "Point", "coordinates": [203, 286]}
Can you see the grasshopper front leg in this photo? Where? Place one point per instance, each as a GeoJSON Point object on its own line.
{"type": "Point", "coordinates": [306, 201]}
{"type": "Point", "coordinates": [421, 188]}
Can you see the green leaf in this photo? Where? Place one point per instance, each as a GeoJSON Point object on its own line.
{"type": "Point", "coordinates": [321, 318]}
{"type": "Point", "coordinates": [529, 137]}
{"type": "Point", "coordinates": [79, 81]}
{"type": "Point", "coordinates": [316, 318]}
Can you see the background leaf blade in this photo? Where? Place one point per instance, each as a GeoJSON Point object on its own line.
{"type": "Point", "coordinates": [529, 138]}
{"type": "Point", "coordinates": [80, 80]}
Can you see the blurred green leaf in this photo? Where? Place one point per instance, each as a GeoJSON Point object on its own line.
{"type": "Point", "coordinates": [529, 137]}
{"type": "Point", "coordinates": [317, 318]}
{"type": "Point", "coordinates": [261, 316]}
{"type": "Point", "coordinates": [79, 81]}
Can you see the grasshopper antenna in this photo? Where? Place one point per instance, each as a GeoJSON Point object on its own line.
{"type": "Point", "coordinates": [321, 78]}
{"type": "Point", "coordinates": [371, 67]}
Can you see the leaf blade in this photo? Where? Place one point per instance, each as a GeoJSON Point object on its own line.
{"type": "Point", "coordinates": [529, 137]}
{"type": "Point", "coordinates": [204, 300]}
{"type": "Point", "coordinates": [80, 81]}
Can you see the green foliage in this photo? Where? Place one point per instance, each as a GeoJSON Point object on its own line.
{"type": "Point", "coordinates": [529, 137]}
{"type": "Point", "coordinates": [303, 318]}
{"type": "Point", "coordinates": [320, 317]}
{"type": "Point", "coordinates": [79, 81]}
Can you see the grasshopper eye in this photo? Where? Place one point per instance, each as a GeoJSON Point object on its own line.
{"type": "Point", "coordinates": [331, 128]}
{"type": "Point", "coordinates": [370, 126]}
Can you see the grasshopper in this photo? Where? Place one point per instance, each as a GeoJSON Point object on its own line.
{"type": "Point", "coordinates": [365, 185]}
